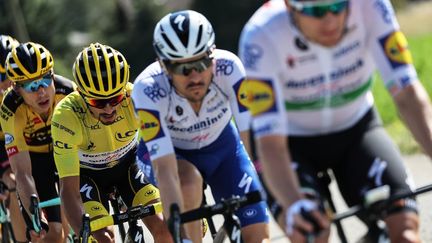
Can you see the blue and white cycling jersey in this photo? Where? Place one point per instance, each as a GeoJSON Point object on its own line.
{"type": "Point", "coordinates": [305, 89]}
{"type": "Point", "coordinates": [171, 121]}
{"type": "Point", "coordinates": [209, 139]}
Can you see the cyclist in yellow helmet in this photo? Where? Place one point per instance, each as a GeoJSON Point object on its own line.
{"type": "Point", "coordinates": [7, 177]}
{"type": "Point", "coordinates": [26, 121]}
{"type": "Point", "coordinates": [95, 139]}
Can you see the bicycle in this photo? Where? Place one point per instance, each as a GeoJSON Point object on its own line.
{"type": "Point", "coordinates": [7, 233]}
{"type": "Point", "coordinates": [375, 203]}
{"type": "Point", "coordinates": [226, 207]}
{"type": "Point", "coordinates": [35, 207]}
{"type": "Point", "coordinates": [131, 216]}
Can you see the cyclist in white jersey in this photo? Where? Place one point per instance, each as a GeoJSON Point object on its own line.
{"type": "Point", "coordinates": [310, 65]}
{"type": "Point", "coordinates": [185, 102]}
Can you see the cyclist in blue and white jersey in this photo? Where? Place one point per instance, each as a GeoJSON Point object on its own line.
{"type": "Point", "coordinates": [185, 102]}
{"type": "Point", "coordinates": [310, 65]}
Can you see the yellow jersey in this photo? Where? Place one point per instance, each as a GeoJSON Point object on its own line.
{"type": "Point", "coordinates": [81, 140]}
{"type": "Point", "coordinates": [23, 128]}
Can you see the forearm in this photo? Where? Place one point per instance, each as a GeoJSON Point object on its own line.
{"type": "Point", "coordinates": [25, 184]}
{"type": "Point", "coordinates": [245, 137]}
{"type": "Point", "coordinates": [278, 173]}
{"type": "Point", "coordinates": [25, 187]}
{"type": "Point", "coordinates": [72, 203]}
{"type": "Point", "coordinates": [416, 111]}
{"type": "Point", "coordinates": [168, 182]}
{"type": "Point", "coordinates": [170, 193]}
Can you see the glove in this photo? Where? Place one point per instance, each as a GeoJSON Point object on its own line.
{"type": "Point", "coordinates": [297, 207]}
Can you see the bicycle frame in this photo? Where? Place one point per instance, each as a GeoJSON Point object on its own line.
{"type": "Point", "coordinates": [381, 203]}
{"type": "Point", "coordinates": [226, 207]}
{"type": "Point", "coordinates": [131, 215]}
{"type": "Point", "coordinates": [6, 229]}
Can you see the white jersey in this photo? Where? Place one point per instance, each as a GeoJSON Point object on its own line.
{"type": "Point", "coordinates": [167, 119]}
{"type": "Point", "coordinates": [302, 88]}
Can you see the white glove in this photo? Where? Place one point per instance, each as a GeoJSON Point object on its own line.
{"type": "Point", "coordinates": [295, 208]}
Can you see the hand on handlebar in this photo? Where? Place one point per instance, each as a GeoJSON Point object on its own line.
{"type": "Point", "coordinates": [38, 227]}
{"type": "Point", "coordinates": [303, 218]}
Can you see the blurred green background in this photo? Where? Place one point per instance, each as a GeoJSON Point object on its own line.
{"type": "Point", "coordinates": [65, 27]}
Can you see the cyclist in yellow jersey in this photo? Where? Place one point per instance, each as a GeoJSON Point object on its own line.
{"type": "Point", "coordinates": [94, 131]}
{"type": "Point", "coordinates": [26, 120]}
{"type": "Point", "coordinates": [6, 175]}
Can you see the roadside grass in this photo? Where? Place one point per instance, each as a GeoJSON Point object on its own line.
{"type": "Point", "coordinates": [421, 48]}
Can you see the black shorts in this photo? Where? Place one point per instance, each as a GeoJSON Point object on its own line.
{"type": "Point", "coordinates": [361, 158]}
{"type": "Point", "coordinates": [46, 180]}
{"type": "Point", "coordinates": [131, 183]}
{"type": "Point", "coordinates": [4, 160]}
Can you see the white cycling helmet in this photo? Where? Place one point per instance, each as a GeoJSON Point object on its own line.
{"type": "Point", "coordinates": [183, 34]}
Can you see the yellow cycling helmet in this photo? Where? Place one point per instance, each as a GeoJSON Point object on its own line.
{"type": "Point", "coordinates": [28, 61]}
{"type": "Point", "coordinates": [6, 45]}
{"type": "Point", "coordinates": [100, 71]}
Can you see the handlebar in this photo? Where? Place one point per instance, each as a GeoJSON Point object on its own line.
{"type": "Point", "coordinates": [380, 201]}
{"type": "Point", "coordinates": [228, 206]}
{"type": "Point", "coordinates": [34, 210]}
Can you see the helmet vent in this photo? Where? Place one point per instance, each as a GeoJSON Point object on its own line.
{"type": "Point", "coordinates": [171, 46]}
{"type": "Point", "coordinates": [200, 30]}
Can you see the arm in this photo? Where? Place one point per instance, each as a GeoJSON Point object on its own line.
{"type": "Point", "coordinates": [416, 111]}
{"type": "Point", "coordinates": [71, 201]}
{"type": "Point", "coordinates": [166, 172]}
{"type": "Point", "coordinates": [245, 137]}
{"type": "Point", "coordinates": [278, 173]}
{"type": "Point", "coordinates": [25, 185]}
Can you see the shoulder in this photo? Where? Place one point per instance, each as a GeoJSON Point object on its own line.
{"type": "Point", "coordinates": [69, 105]}
{"type": "Point", "coordinates": [63, 85]}
{"type": "Point", "coordinates": [272, 14]}
{"type": "Point", "coordinates": [226, 63]}
{"type": "Point", "coordinates": [151, 84]}
{"type": "Point", "coordinates": [150, 74]}
{"type": "Point", "coordinates": [11, 101]}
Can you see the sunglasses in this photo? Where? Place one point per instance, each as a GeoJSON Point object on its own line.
{"type": "Point", "coordinates": [101, 103]}
{"type": "Point", "coordinates": [186, 68]}
{"type": "Point", "coordinates": [34, 85]}
{"type": "Point", "coordinates": [319, 9]}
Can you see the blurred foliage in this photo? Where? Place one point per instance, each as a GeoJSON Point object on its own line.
{"type": "Point", "coordinates": [227, 18]}
{"type": "Point", "coordinates": [51, 23]}
{"type": "Point", "coordinates": [126, 25]}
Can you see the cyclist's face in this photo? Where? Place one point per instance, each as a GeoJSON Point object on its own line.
{"type": "Point", "coordinates": [41, 99]}
{"type": "Point", "coordinates": [326, 30]}
{"type": "Point", "coordinates": [193, 85]}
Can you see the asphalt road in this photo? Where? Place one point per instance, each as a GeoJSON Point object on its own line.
{"type": "Point", "coordinates": [420, 167]}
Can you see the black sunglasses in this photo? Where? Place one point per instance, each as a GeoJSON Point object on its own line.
{"type": "Point", "coordinates": [186, 68]}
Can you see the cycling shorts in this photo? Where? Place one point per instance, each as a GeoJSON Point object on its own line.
{"type": "Point", "coordinates": [45, 178]}
{"type": "Point", "coordinates": [126, 177]}
{"type": "Point", "coordinates": [361, 158]}
{"type": "Point", "coordinates": [4, 160]}
{"type": "Point", "coordinates": [227, 169]}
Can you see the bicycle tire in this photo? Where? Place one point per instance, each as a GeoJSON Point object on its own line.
{"type": "Point", "coordinates": [220, 236]}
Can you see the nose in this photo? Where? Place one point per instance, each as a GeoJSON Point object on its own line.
{"type": "Point", "coordinates": [194, 75]}
{"type": "Point", "coordinates": [108, 108]}
{"type": "Point", "coordinates": [41, 90]}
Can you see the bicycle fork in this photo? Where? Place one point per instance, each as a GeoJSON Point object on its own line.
{"type": "Point", "coordinates": [232, 227]}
